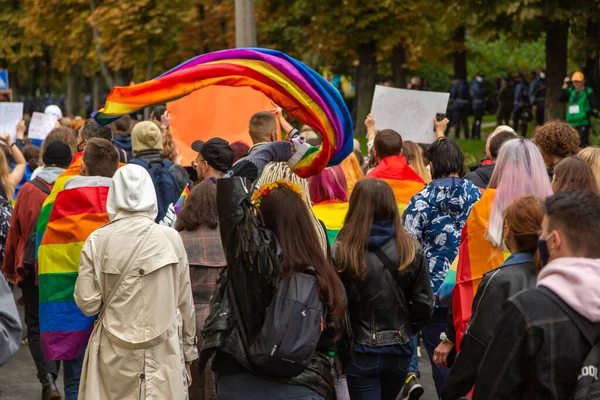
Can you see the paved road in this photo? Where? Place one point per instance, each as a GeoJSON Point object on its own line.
{"type": "Point", "coordinates": [18, 379]}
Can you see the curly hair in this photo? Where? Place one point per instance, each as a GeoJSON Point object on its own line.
{"type": "Point", "coordinates": [557, 138]}
{"type": "Point", "coordinates": [170, 150]}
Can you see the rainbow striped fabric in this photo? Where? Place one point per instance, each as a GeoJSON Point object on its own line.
{"type": "Point", "coordinates": [476, 256]}
{"type": "Point", "coordinates": [69, 215]}
{"type": "Point", "coordinates": [333, 215]}
{"type": "Point", "coordinates": [298, 89]}
{"type": "Point", "coordinates": [181, 202]}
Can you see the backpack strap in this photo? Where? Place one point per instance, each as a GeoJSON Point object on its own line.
{"type": "Point", "coordinates": [390, 265]}
{"type": "Point", "coordinates": [140, 162]}
{"type": "Point", "coordinates": [40, 185]}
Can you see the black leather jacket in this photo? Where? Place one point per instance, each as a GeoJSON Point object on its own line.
{"type": "Point", "coordinates": [495, 288]}
{"type": "Point", "coordinates": [253, 286]}
{"type": "Point", "coordinates": [537, 350]}
{"type": "Point", "coordinates": [382, 313]}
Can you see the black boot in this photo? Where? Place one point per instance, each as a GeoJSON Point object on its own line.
{"type": "Point", "coordinates": [49, 389]}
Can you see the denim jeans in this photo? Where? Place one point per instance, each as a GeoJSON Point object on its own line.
{"type": "Point", "coordinates": [250, 387]}
{"type": "Point", "coordinates": [376, 376]}
{"type": "Point", "coordinates": [431, 339]}
{"type": "Point", "coordinates": [72, 374]}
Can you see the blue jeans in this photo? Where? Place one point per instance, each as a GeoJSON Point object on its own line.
{"type": "Point", "coordinates": [72, 374]}
{"type": "Point", "coordinates": [250, 387]}
{"type": "Point", "coordinates": [431, 339]}
{"type": "Point", "coordinates": [376, 376]}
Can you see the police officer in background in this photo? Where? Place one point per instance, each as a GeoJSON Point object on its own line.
{"type": "Point", "coordinates": [459, 99]}
{"type": "Point", "coordinates": [478, 101]}
{"type": "Point", "coordinates": [581, 105]}
{"type": "Point", "coordinates": [521, 107]}
{"type": "Point", "coordinates": [537, 96]}
{"type": "Point", "coordinates": [505, 102]}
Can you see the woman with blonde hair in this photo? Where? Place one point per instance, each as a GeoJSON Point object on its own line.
{"type": "Point", "coordinates": [591, 155]}
{"type": "Point", "coordinates": [352, 170]}
{"type": "Point", "coordinates": [10, 179]}
{"type": "Point", "coordinates": [414, 158]}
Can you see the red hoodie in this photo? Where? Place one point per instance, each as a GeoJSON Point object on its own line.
{"type": "Point", "coordinates": [395, 167]}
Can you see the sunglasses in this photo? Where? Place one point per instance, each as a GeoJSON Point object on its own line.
{"type": "Point", "coordinates": [195, 163]}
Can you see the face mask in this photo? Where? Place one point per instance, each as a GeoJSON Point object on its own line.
{"type": "Point", "coordinates": [542, 75]}
{"type": "Point", "coordinates": [479, 79]}
{"type": "Point", "coordinates": [543, 249]}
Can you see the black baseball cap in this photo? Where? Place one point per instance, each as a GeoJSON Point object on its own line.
{"type": "Point", "coordinates": [216, 152]}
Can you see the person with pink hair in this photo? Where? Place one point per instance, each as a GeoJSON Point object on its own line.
{"type": "Point", "coordinates": [520, 171]}
{"type": "Point", "coordinates": [329, 196]}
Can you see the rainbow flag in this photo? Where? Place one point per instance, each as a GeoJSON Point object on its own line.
{"type": "Point", "coordinates": [298, 89]}
{"type": "Point", "coordinates": [69, 215]}
{"type": "Point", "coordinates": [181, 202]}
{"type": "Point", "coordinates": [476, 256]}
{"type": "Point", "coordinates": [333, 215]}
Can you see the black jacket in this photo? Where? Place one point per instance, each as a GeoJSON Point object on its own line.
{"type": "Point", "coordinates": [536, 352]}
{"type": "Point", "coordinates": [383, 313]}
{"type": "Point", "coordinates": [252, 280]}
{"type": "Point", "coordinates": [482, 175]}
{"type": "Point", "coordinates": [495, 288]}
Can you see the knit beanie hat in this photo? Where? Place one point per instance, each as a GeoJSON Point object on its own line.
{"type": "Point", "coordinates": [146, 136]}
{"type": "Point", "coordinates": [57, 153]}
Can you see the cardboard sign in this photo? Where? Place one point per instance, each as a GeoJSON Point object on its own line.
{"type": "Point", "coordinates": [10, 115]}
{"type": "Point", "coordinates": [408, 112]}
{"type": "Point", "coordinates": [41, 124]}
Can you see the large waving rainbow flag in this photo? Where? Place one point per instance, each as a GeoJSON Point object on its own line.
{"type": "Point", "coordinates": [476, 256]}
{"type": "Point", "coordinates": [298, 89]}
{"type": "Point", "coordinates": [333, 215]}
{"type": "Point", "coordinates": [68, 217]}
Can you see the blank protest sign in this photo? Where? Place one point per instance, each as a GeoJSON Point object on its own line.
{"type": "Point", "coordinates": [10, 115]}
{"type": "Point", "coordinates": [408, 112]}
{"type": "Point", "coordinates": [41, 124]}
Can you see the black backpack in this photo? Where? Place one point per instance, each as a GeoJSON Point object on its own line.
{"type": "Point", "coordinates": [293, 325]}
{"type": "Point", "coordinates": [29, 254]}
{"type": "Point", "coordinates": [166, 186]}
{"type": "Point", "coordinates": [588, 385]}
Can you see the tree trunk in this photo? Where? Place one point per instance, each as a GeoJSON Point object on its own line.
{"type": "Point", "coordinates": [367, 78]}
{"type": "Point", "coordinates": [149, 76]}
{"type": "Point", "coordinates": [103, 67]}
{"type": "Point", "coordinates": [245, 24]}
{"type": "Point", "coordinates": [35, 82]}
{"type": "Point", "coordinates": [73, 90]}
{"type": "Point", "coordinates": [557, 36]}
{"type": "Point", "coordinates": [460, 54]}
{"type": "Point", "coordinates": [592, 65]}
{"type": "Point", "coordinates": [48, 74]}
{"type": "Point", "coordinates": [96, 85]}
{"type": "Point", "coordinates": [399, 66]}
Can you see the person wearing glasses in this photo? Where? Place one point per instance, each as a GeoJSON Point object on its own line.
{"type": "Point", "coordinates": [215, 157]}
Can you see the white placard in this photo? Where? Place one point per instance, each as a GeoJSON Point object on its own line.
{"type": "Point", "coordinates": [408, 112]}
{"type": "Point", "coordinates": [41, 124]}
{"type": "Point", "coordinates": [10, 115]}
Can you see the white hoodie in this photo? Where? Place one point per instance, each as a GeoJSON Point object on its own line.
{"type": "Point", "coordinates": [577, 282]}
{"type": "Point", "coordinates": [131, 191]}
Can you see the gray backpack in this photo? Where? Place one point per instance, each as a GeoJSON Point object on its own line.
{"type": "Point", "coordinates": [293, 325]}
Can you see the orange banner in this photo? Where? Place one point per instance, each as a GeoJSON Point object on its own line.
{"type": "Point", "coordinates": [215, 111]}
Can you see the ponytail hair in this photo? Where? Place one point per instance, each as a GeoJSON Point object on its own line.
{"type": "Point", "coordinates": [523, 219]}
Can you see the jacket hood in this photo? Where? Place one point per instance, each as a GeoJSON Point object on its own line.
{"type": "Point", "coordinates": [449, 195]}
{"type": "Point", "coordinates": [50, 174]}
{"type": "Point", "coordinates": [131, 191]}
{"type": "Point", "coordinates": [123, 142]}
{"type": "Point", "coordinates": [395, 167]}
{"type": "Point", "coordinates": [576, 282]}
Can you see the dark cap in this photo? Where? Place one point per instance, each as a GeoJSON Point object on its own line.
{"type": "Point", "coordinates": [57, 153]}
{"type": "Point", "coordinates": [216, 152]}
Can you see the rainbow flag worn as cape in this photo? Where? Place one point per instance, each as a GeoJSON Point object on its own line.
{"type": "Point", "coordinates": [476, 256]}
{"type": "Point", "coordinates": [75, 208]}
{"type": "Point", "coordinates": [296, 88]}
{"type": "Point", "coordinates": [181, 202]}
{"type": "Point", "coordinates": [333, 215]}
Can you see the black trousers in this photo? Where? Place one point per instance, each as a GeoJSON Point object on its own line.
{"type": "Point", "coordinates": [476, 130]}
{"type": "Point", "coordinates": [32, 320]}
{"type": "Point", "coordinates": [584, 135]}
{"type": "Point", "coordinates": [503, 115]}
{"type": "Point", "coordinates": [539, 115]}
{"type": "Point", "coordinates": [460, 118]}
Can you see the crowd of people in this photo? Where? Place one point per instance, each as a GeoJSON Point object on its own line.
{"type": "Point", "coordinates": [236, 278]}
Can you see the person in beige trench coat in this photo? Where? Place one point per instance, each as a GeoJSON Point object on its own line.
{"type": "Point", "coordinates": [147, 329]}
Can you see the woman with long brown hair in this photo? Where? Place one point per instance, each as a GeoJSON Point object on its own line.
{"type": "Point", "coordinates": [522, 222]}
{"type": "Point", "coordinates": [268, 235]}
{"type": "Point", "coordinates": [198, 225]}
{"type": "Point", "coordinates": [573, 173]}
{"type": "Point", "coordinates": [389, 294]}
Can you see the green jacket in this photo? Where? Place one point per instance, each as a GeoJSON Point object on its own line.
{"type": "Point", "coordinates": [581, 99]}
